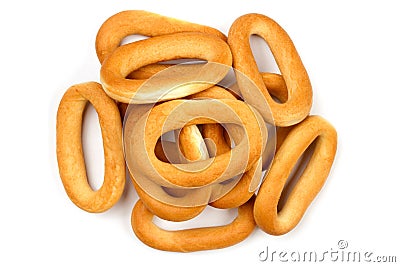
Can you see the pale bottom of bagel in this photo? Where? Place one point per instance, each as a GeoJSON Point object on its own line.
{"type": "Point", "coordinates": [191, 240]}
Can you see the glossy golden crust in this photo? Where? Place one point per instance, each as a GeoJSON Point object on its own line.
{"type": "Point", "coordinates": [130, 57]}
{"type": "Point", "coordinates": [140, 22]}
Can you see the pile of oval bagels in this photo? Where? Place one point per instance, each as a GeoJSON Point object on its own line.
{"type": "Point", "coordinates": [235, 159]}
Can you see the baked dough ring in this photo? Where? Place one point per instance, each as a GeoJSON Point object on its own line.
{"type": "Point", "coordinates": [192, 239]}
{"type": "Point", "coordinates": [130, 57]}
{"type": "Point", "coordinates": [312, 129]}
{"type": "Point", "coordinates": [131, 22]}
{"type": "Point", "coordinates": [70, 158]}
{"type": "Point", "coordinates": [214, 170]}
{"type": "Point", "coordinates": [299, 100]}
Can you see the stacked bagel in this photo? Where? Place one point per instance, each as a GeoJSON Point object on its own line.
{"type": "Point", "coordinates": [233, 146]}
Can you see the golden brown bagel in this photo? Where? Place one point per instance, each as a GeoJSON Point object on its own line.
{"type": "Point", "coordinates": [130, 57]}
{"type": "Point", "coordinates": [69, 147]}
{"type": "Point", "coordinates": [299, 96]}
{"type": "Point", "coordinates": [140, 22]}
{"type": "Point", "coordinates": [192, 239]}
{"type": "Point", "coordinates": [312, 129]}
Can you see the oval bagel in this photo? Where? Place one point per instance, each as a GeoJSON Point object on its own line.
{"type": "Point", "coordinates": [299, 99]}
{"type": "Point", "coordinates": [70, 158]}
{"type": "Point", "coordinates": [140, 22]}
{"type": "Point", "coordinates": [190, 240]}
{"type": "Point", "coordinates": [130, 57]}
{"type": "Point", "coordinates": [312, 129]}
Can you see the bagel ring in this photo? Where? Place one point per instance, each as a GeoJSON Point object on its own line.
{"type": "Point", "coordinates": [301, 136]}
{"type": "Point", "coordinates": [299, 99]}
{"type": "Point", "coordinates": [70, 158]}
{"type": "Point", "coordinates": [131, 22]}
{"type": "Point", "coordinates": [190, 240]}
{"type": "Point", "coordinates": [130, 57]}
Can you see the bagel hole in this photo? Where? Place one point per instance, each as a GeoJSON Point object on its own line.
{"type": "Point", "coordinates": [266, 63]}
{"type": "Point", "coordinates": [295, 175]}
{"type": "Point", "coordinates": [147, 71]}
{"type": "Point", "coordinates": [228, 139]}
{"type": "Point", "coordinates": [183, 61]}
{"type": "Point", "coordinates": [92, 146]}
{"type": "Point", "coordinates": [168, 136]}
{"type": "Point", "coordinates": [262, 54]}
{"type": "Point", "coordinates": [166, 148]}
{"type": "Point", "coordinates": [133, 38]}
{"type": "Point", "coordinates": [211, 147]}
{"type": "Point", "coordinates": [175, 192]}
{"type": "Point", "coordinates": [230, 130]}
{"type": "Point", "coordinates": [209, 217]}
{"type": "Point", "coordinates": [276, 99]}
{"type": "Point", "coordinates": [230, 180]}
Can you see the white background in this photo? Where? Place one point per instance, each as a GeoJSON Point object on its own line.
{"type": "Point", "coordinates": [351, 52]}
